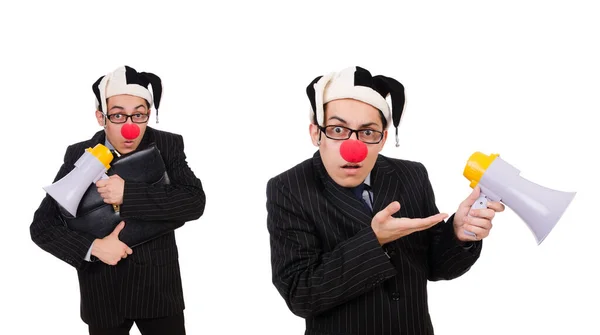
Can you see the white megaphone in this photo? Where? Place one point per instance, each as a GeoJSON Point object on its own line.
{"type": "Point", "coordinates": [540, 207]}
{"type": "Point", "coordinates": [89, 168]}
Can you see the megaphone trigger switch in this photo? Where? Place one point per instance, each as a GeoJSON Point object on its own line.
{"type": "Point", "coordinates": [481, 202]}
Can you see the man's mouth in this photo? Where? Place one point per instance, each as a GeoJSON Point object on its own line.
{"type": "Point", "coordinates": [351, 166]}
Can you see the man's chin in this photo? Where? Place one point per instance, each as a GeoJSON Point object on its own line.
{"type": "Point", "coordinates": [349, 181]}
{"type": "Point", "coordinates": [125, 149]}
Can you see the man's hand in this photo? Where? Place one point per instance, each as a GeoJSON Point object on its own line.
{"type": "Point", "coordinates": [111, 189]}
{"type": "Point", "coordinates": [476, 221]}
{"type": "Point", "coordinates": [388, 228]}
{"type": "Point", "coordinates": [110, 249]}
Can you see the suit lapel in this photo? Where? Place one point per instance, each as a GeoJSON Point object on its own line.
{"type": "Point", "coordinates": [147, 139]}
{"type": "Point", "coordinates": [386, 185]}
{"type": "Point", "coordinates": [98, 138]}
{"type": "Point", "coordinates": [341, 197]}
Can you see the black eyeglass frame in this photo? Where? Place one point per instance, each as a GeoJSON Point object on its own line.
{"type": "Point", "coordinates": [127, 117]}
{"type": "Point", "coordinates": [352, 131]}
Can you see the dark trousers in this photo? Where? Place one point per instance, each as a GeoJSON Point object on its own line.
{"type": "Point", "coordinates": [172, 325]}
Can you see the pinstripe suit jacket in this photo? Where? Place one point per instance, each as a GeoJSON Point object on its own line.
{"type": "Point", "coordinates": [146, 284]}
{"type": "Point", "coordinates": [328, 265]}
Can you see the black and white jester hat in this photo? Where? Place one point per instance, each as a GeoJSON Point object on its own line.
{"type": "Point", "coordinates": [357, 83]}
{"type": "Point", "coordinates": [126, 80]}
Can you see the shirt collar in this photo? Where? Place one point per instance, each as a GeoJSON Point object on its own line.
{"type": "Point", "coordinates": [108, 145]}
{"type": "Point", "coordinates": [111, 148]}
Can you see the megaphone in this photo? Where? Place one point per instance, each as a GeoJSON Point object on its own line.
{"type": "Point", "coordinates": [539, 207]}
{"type": "Point", "coordinates": [89, 168]}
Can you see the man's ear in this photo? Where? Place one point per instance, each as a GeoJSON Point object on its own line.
{"type": "Point", "coordinates": [315, 134]}
{"type": "Point", "coordinates": [101, 119]}
{"type": "Point", "coordinates": [382, 143]}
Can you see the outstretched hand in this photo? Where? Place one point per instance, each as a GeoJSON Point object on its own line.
{"type": "Point", "coordinates": [388, 228]}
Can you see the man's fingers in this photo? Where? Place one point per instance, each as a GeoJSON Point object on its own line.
{"type": "Point", "coordinates": [126, 251]}
{"type": "Point", "coordinates": [118, 229]}
{"type": "Point", "coordinates": [470, 200]}
{"type": "Point", "coordinates": [104, 193]}
{"type": "Point", "coordinates": [479, 222]}
{"type": "Point", "coordinates": [480, 233]}
{"type": "Point", "coordinates": [485, 213]}
{"type": "Point", "coordinates": [424, 223]}
{"type": "Point", "coordinates": [388, 211]}
{"type": "Point", "coordinates": [496, 206]}
{"type": "Point", "coordinates": [435, 219]}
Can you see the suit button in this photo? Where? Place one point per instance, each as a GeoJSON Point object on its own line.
{"type": "Point", "coordinates": [395, 296]}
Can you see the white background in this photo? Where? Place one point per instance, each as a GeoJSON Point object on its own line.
{"type": "Point", "coordinates": [518, 78]}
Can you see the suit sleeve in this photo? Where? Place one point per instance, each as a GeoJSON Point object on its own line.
{"type": "Point", "coordinates": [449, 257]}
{"type": "Point", "coordinates": [49, 232]}
{"type": "Point", "coordinates": [182, 200]}
{"type": "Point", "coordinates": [310, 280]}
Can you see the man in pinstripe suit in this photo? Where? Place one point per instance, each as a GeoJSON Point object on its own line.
{"type": "Point", "coordinates": [354, 240]}
{"type": "Point", "coordinates": [118, 285]}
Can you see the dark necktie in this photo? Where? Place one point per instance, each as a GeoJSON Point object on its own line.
{"type": "Point", "coordinates": [358, 193]}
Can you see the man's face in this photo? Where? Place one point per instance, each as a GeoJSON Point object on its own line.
{"type": "Point", "coordinates": [356, 115]}
{"type": "Point", "coordinates": [124, 105]}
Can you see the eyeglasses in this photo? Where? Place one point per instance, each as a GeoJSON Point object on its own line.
{"type": "Point", "coordinates": [339, 133]}
{"type": "Point", "coordinates": [122, 118]}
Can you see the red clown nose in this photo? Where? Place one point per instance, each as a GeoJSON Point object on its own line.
{"type": "Point", "coordinates": [130, 131]}
{"type": "Point", "coordinates": [353, 151]}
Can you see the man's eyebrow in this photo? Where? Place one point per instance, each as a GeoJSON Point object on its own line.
{"type": "Point", "coordinates": [122, 108]}
{"type": "Point", "coordinates": [337, 118]}
{"type": "Point", "coordinates": [364, 125]}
